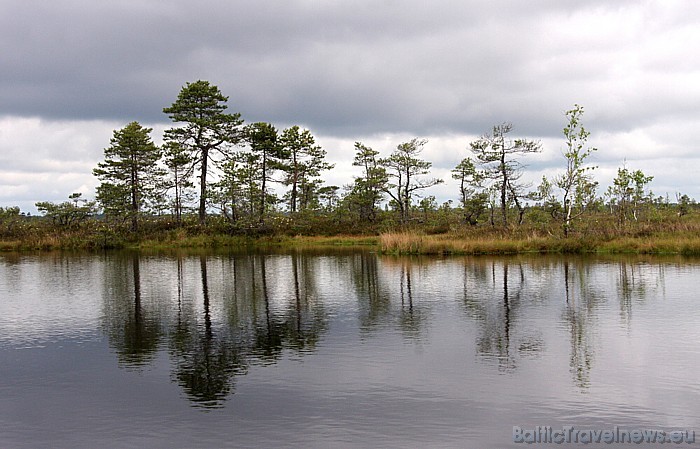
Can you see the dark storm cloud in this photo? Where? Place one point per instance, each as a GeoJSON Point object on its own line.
{"type": "Point", "coordinates": [341, 68]}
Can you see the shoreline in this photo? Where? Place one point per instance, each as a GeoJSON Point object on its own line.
{"type": "Point", "coordinates": [396, 243]}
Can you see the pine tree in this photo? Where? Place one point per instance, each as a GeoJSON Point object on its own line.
{"type": "Point", "coordinates": [207, 130]}
{"type": "Point", "coordinates": [129, 173]}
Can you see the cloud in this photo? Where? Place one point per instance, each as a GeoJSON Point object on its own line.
{"type": "Point", "coordinates": [376, 70]}
{"type": "Point", "coordinates": [359, 68]}
{"type": "Point", "coordinates": [44, 160]}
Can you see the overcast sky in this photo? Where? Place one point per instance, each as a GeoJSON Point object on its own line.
{"type": "Point", "coordinates": [376, 71]}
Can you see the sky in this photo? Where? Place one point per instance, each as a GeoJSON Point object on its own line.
{"type": "Point", "coordinates": [377, 71]}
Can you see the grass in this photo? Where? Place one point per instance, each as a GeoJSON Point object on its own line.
{"type": "Point", "coordinates": [599, 234]}
{"type": "Point", "coordinates": [405, 242]}
{"type": "Point", "coordinates": [417, 243]}
{"type": "Point", "coordinates": [181, 239]}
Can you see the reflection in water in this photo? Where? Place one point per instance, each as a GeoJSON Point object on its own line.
{"type": "Point", "coordinates": [305, 319]}
{"type": "Point", "coordinates": [218, 326]}
{"type": "Point", "coordinates": [206, 361]}
{"type": "Point", "coordinates": [218, 315]}
{"type": "Point", "coordinates": [388, 294]}
{"type": "Point", "coordinates": [134, 332]}
{"type": "Point", "coordinates": [368, 286]}
{"type": "Point", "coordinates": [579, 317]}
{"type": "Point", "coordinates": [635, 282]}
{"type": "Point", "coordinates": [340, 348]}
{"type": "Point", "coordinates": [493, 297]}
{"type": "Point", "coordinates": [411, 317]}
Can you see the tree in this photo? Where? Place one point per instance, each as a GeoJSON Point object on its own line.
{"type": "Point", "coordinates": [230, 191]}
{"type": "Point", "coordinates": [471, 192]}
{"type": "Point", "coordinates": [576, 183]}
{"type": "Point", "coordinates": [367, 189]}
{"type": "Point", "coordinates": [8, 213]}
{"type": "Point", "coordinates": [10, 217]}
{"type": "Point", "coordinates": [206, 130]}
{"type": "Point", "coordinates": [629, 192]}
{"type": "Point", "coordinates": [403, 168]}
{"type": "Point", "coordinates": [329, 195]}
{"type": "Point", "coordinates": [129, 172]}
{"type": "Point", "coordinates": [496, 155]}
{"type": "Point", "coordinates": [264, 145]}
{"type": "Point", "coordinates": [304, 162]}
{"type": "Point", "coordinates": [179, 165]}
{"type": "Point", "coordinates": [684, 203]}
{"type": "Point", "coordinates": [68, 213]}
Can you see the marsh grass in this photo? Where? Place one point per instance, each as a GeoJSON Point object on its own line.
{"type": "Point", "coordinates": [456, 243]}
{"type": "Point", "coordinates": [600, 233]}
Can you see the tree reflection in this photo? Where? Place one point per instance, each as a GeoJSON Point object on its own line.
{"type": "Point", "coordinates": [269, 336]}
{"type": "Point", "coordinates": [411, 317]}
{"type": "Point", "coordinates": [496, 338]}
{"type": "Point", "coordinates": [219, 314]}
{"type": "Point", "coordinates": [134, 333]}
{"type": "Point", "coordinates": [492, 294]}
{"type": "Point", "coordinates": [206, 361]}
{"type": "Point", "coordinates": [293, 317]}
{"type": "Point", "coordinates": [635, 281]}
{"type": "Point", "coordinates": [578, 316]}
{"type": "Point", "coordinates": [388, 296]}
{"type": "Point", "coordinates": [375, 303]}
{"type": "Point", "coordinates": [584, 298]}
{"type": "Point", "coordinates": [305, 318]}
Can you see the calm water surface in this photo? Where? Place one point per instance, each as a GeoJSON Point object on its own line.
{"type": "Point", "coordinates": [345, 349]}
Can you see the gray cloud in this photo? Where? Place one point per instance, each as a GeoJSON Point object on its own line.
{"type": "Point", "coordinates": [345, 68]}
{"type": "Point", "coordinates": [375, 70]}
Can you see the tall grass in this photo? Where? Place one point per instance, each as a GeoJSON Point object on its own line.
{"type": "Point", "coordinates": [455, 243]}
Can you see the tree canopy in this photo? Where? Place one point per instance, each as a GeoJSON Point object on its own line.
{"type": "Point", "coordinates": [205, 130]}
{"type": "Point", "coordinates": [129, 173]}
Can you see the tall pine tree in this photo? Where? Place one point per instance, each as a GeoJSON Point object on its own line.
{"type": "Point", "coordinates": [129, 173]}
{"type": "Point", "coordinates": [207, 131]}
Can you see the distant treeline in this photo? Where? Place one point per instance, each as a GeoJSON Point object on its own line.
{"type": "Point", "coordinates": [215, 174]}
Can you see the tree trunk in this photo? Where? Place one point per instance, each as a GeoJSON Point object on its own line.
{"type": "Point", "coordinates": [504, 187]}
{"type": "Point", "coordinates": [203, 188]}
{"type": "Point", "coordinates": [263, 198]}
{"type": "Point", "coordinates": [134, 201]}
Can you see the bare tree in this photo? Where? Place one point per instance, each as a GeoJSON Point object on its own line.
{"type": "Point", "coordinates": [495, 154]}
{"type": "Point", "coordinates": [403, 169]}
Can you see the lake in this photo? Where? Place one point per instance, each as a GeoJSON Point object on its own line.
{"type": "Point", "coordinates": [342, 348]}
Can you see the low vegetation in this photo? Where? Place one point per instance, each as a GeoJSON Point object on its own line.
{"type": "Point", "coordinates": [660, 229]}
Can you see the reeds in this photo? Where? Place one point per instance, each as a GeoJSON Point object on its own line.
{"type": "Point", "coordinates": [416, 243]}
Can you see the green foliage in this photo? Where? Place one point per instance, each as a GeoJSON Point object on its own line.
{"type": "Point", "coordinates": [138, 186]}
{"type": "Point", "coordinates": [12, 222]}
{"type": "Point", "coordinates": [268, 156]}
{"type": "Point", "coordinates": [68, 213]}
{"type": "Point", "coordinates": [9, 213]}
{"type": "Point", "coordinates": [179, 166]}
{"type": "Point", "coordinates": [238, 192]}
{"type": "Point", "coordinates": [496, 154]}
{"type": "Point", "coordinates": [404, 168]}
{"type": "Point", "coordinates": [303, 162]}
{"type": "Point", "coordinates": [578, 189]}
{"type": "Point", "coordinates": [628, 194]}
{"type": "Point", "coordinates": [205, 130]}
{"type": "Point", "coordinates": [366, 192]}
{"type": "Point", "coordinates": [129, 174]}
{"type": "Point", "coordinates": [473, 197]}
{"type": "Point", "coordinates": [684, 204]}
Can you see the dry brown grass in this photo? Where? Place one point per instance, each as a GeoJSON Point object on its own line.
{"type": "Point", "coordinates": [416, 243]}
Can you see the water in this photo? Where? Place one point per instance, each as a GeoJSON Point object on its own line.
{"type": "Point", "coordinates": [341, 349]}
